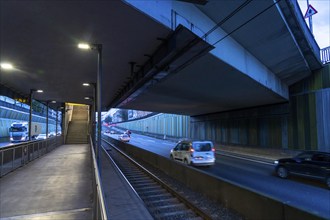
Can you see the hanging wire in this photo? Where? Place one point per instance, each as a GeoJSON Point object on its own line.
{"type": "Point", "coordinates": [227, 17]}
{"type": "Point", "coordinates": [245, 23]}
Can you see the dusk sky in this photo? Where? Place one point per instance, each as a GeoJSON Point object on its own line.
{"type": "Point", "coordinates": [321, 20]}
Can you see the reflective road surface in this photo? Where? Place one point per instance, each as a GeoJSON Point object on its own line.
{"type": "Point", "coordinates": [312, 196]}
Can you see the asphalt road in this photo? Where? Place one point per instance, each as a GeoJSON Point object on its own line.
{"type": "Point", "coordinates": [258, 176]}
{"type": "Point", "coordinates": [4, 144]}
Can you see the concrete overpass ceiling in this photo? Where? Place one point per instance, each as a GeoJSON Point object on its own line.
{"type": "Point", "coordinates": [40, 38]}
{"type": "Point", "coordinates": [199, 90]}
{"type": "Point", "coordinates": [266, 37]}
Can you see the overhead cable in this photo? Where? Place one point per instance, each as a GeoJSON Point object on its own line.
{"type": "Point", "coordinates": [227, 18]}
{"type": "Point", "coordinates": [257, 15]}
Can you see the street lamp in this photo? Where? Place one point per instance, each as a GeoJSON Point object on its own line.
{"type": "Point", "coordinates": [6, 66]}
{"type": "Point", "coordinates": [94, 108]}
{"type": "Point", "coordinates": [97, 47]}
{"type": "Point", "coordinates": [30, 113]}
{"type": "Point", "coordinates": [92, 117]}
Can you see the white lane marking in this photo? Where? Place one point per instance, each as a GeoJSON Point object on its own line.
{"type": "Point", "coordinates": [149, 140]}
{"type": "Point", "coordinates": [248, 159]}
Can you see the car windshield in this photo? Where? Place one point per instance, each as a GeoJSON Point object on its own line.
{"type": "Point", "coordinates": [306, 155]}
{"type": "Point", "coordinates": [200, 147]}
{"type": "Point", "coordinates": [18, 129]}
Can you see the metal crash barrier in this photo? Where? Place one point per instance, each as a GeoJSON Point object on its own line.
{"type": "Point", "coordinates": [325, 55]}
{"type": "Point", "coordinates": [99, 209]}
{"type": "Point", "coordinates": [15, 156]}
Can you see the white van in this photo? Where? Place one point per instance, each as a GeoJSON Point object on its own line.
{"type": "Point", "coordinates": [197, 153]}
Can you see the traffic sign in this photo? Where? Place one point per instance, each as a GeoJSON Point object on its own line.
{"type": "Point", "coordinates": [310, 11]}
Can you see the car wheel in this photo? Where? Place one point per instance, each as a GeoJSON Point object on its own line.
{"type": "Point", "coordinates": [327, 181]}
{"type": "Point", "coordinates": [282, 172]}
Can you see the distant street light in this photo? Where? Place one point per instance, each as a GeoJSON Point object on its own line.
{"type": "Point", "coordinates": [97, 47]}
{"type": "Point", "coordinates": [7, 66]}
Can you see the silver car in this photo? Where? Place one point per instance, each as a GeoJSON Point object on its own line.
{"type": "Point", "coordinates": [124, 137]}
{"type": "Point", "coordinates": [197, 153]}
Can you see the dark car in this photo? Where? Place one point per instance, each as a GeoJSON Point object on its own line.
{"type": "Point", "coordinates": [310, 164]}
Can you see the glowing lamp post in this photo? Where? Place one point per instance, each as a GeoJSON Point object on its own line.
{"type": "Point", "coordinates": [97, 47]}
{"type": "Point", "coordinates": [30, 113]}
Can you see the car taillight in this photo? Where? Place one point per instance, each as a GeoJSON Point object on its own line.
{"type": "Point", "coordinates": [192, 152]}
{"type": "Point", "coordinates": [213, 149]}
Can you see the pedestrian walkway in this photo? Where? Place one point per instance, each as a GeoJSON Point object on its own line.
{"type": "Point", "coordinates": [55, 186]}
{"type": "Point", "coordinates": [59, 186]}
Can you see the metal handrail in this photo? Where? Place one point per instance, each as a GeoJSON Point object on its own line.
{"type": "Point", "coordinates": [18, 155]}
{"type": "Point", "coordinates": [100, 209]}
{"type": "Point", "coordinates": [325, 55]}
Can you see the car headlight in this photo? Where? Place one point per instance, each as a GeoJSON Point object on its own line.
{"type": "Point", "coordinates": [276, 162]}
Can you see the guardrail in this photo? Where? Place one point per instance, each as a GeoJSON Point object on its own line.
{"type": "Point", "coordinates": [99, 209]}
{"type": "Point", "coordinates": [18, 155]}
{"type": "Point", "coordinates": [325, 55]}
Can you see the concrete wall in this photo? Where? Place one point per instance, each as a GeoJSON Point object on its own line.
{"type": "Point", "coordinates": [257, 127]}
{"type": "Point", "coordinates": [310, 110]}
{"type": "Point", "coordinates": [302, 123]}
{"type": "Point", "coordinates": [250, 204]}
{"type": "Point", "coordinates": [160, 125]}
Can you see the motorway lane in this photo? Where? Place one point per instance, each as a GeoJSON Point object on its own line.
{"type": "Point", "coordinates": [314, 198]}
{"type": "Point", "coordinates": [5, 144]}
{"type": "Point", "coordinates": [307, 195]}
{"type": "Point", "coordinates": [160, 147]}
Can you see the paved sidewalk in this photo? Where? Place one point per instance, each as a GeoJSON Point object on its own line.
{"type": "Point", "coordinates": [57, 185]}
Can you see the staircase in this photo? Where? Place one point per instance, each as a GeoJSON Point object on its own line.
{"type": "Point", "coordinates": [78, 126]}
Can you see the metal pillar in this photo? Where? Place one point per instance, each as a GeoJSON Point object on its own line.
{"type": "Point", "coordinates": [47, 108]}
{"type": "Point", "coordinates": [310, 19]}
{"type": "Point", "coordinates": [99, 99]}
{"type": "Point", "coordinates": [93, 115]}
{"type": "Point", "coordinates": [56, 122]}
{"type": "Point", "coordinates": [30, 113]}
